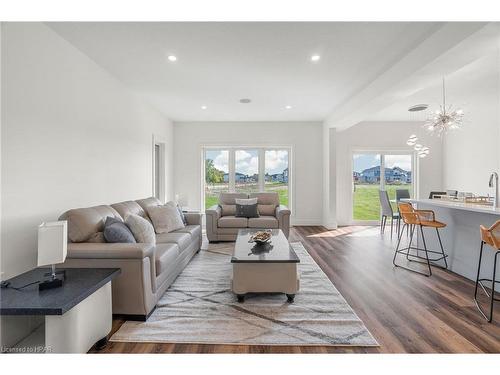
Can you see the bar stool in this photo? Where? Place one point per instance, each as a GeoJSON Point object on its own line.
{"type": "Point", "coordinates": [489, 236]}
{"type": "Point", "coordinates": [423, 219]}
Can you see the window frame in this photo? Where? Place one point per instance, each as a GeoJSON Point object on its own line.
{"type": "Point", "coordinates": [382, 152]}
{"type": "Point", "coordinates": [232, 167]}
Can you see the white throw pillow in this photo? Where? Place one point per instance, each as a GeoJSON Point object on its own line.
{"type": "Point", "coordinates": [142, 229]}
{"type": "Point", "coordinates": [165, 218]}
{"type": "Point", "coordinates": [246, 202]}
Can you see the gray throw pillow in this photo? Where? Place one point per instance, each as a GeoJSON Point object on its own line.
{"type": "Point", "coordinates": [247, 210]}
{"type": "Point", "coordinates": [116, 231]}
{"type": "Point", "coordinates": [183, 217]}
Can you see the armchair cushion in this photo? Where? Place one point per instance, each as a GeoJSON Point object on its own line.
{"type": "Point", "coordinates": [233, 222]}
{"type": "Point", "coordinates": [267, 209]}
{"type": "Point", "coordinates": [228, 209]}
{"type": "Point", "coordinates": [265, 222]}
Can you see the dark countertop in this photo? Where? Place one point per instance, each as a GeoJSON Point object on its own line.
{"type": "Point", "coordinates": [78, 285]}
{"type": "Point", "coordinates": [276, 251]}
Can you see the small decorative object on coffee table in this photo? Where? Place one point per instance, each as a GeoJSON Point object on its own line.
{"type": "Point", "coordinates": [269, 267]}
{"type": "Point", "coordinates": [261, 237]}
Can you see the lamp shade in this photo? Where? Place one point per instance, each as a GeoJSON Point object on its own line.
{"type": "Point", "coordinates": [52, 242]}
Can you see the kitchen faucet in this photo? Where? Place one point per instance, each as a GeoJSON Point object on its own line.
{"type": "Point", "coordinates": [494, 176]}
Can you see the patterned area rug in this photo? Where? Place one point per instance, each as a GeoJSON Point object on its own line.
{"type": "Point", "coordinates": [200, 308]}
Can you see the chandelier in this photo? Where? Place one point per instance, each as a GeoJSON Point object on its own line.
{"type": "Point", "coordinates": [444, 119]}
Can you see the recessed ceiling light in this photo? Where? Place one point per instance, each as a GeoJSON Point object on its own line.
{"type": "Point", "coordinates": [172, 58]}
{"type": "Point", "coordinates": [288, 107]}
{"type": "Point", "coordinates": [204, 107]}
{"type": "Point", "coordinates": [245, 100]}
{"type": "Point", "coordinates": [315, 58]}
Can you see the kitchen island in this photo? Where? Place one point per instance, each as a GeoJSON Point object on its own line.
{"type": "Point", "coordinates": [461, 237]}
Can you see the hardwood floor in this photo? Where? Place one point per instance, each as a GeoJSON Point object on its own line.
{"type": "Point", "coordinates": [405, 312]}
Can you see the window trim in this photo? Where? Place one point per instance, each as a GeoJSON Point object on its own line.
{"type": "Point", "coordinates": [232, 166]}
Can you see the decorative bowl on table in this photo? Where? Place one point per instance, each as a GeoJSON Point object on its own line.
{"type": "Point", "coordinates": [261, 237]}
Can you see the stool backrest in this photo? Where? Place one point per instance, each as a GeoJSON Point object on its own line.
{"type": "Point", "coordinates": [385, 204]}
{"type": "Point", "coordinates": [408, 213]}
{"type": "Point", "coordinates": [491, 235]}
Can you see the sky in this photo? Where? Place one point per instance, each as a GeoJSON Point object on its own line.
{"type": "Point", "coordinates": [365, 161]}
{"type": "Point", "coordinates": [247, 161]}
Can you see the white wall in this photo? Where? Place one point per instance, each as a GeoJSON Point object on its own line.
{"type": "Point", "coordinates": [72, 136]}
{"type": "Point", "coordinates": [383, 136]}
{"type": "Point", "coordinates": [307, 154]}
{"type": "Point", "coordinates": [473, 152]}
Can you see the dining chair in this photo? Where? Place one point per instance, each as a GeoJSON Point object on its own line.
{"type": "Point", "coordinates": [401, 194]}
{"type": "Point", "coordinates": [387, 211]}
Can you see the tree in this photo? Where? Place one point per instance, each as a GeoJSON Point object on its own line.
{"type": "Point", "coordinates": [212, 174]}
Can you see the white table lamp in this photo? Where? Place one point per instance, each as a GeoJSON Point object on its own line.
{"type": "Point", "coordinates": [52, 249]}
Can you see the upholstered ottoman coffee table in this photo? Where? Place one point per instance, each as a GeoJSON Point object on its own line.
{"type": "Point", "coordinates": [268, 268]}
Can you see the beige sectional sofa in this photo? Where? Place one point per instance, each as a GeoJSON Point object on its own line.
{"type": "Point", "coordinates": [222, 225]}
{"type": "Point", "coordinates": [147, 270]}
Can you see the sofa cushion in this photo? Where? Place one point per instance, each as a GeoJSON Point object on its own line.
{"type": "Point", "coordinates": [229, 198]}
{"type": "Point", "coordinates": [141, 228]}
{"type": "Point", "coordinates": [165, 257]}
{"type": "Point", "coordinates": [193, 230]}
{"type": "Point", "coordinates": [228, 209]}
{"type": "Point", "coordinates": [129, 208]}
{"type": "Point", "coordinates": [245, 201]}
{"type": "Point", "coordinates": [183, 240]}
{"type": "Point", "coordinates": [266, 198]}
{"type": "Point", "coordinates": [232, 222]}
{"type": "Point", "coordinates": [115, 231]}
{"type": "Point", "coordinates": [85, 222]}
{"type": "Point", "coordinates": [267, 209]}
{"type": "Point", "coordinates": [148, 202]}
{"type": "Point", "coordinates": [165, 218]}
{"type": "Point", "coordinates": [266, 222]}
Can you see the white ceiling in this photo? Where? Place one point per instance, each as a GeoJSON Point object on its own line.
{"type": "Point", "coordinates": [220, 63]}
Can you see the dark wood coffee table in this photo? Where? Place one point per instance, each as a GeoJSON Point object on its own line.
{"type": "Point", "coordinates": [268, 268]}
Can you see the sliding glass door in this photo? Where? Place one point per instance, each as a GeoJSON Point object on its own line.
{"type": "Point", "coordinates": [216, 175]}
{"type": "Point", "coordinates": [375, 171]}
{"type": "Point", "coordinates": [246, 170]}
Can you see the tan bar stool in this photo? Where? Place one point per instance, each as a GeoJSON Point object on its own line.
{"type": "Point", "coordinates": [422, 219]}
{"type": "Point", "coordinates": [489, 236]}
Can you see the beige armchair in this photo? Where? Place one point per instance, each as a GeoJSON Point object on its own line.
{"type": "Point", "coordinates": [223, 225]}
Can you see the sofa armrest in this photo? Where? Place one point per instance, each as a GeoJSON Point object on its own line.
{"type": "Point", "coordinates": [88, 250]}
{"type": "Point", "coordinates": [283, 216]}
{"type": "Point", "coordinates": [214, 211]}
{"type": "Point", "coordinates": [282, 211]}
{"type": "Point", "coordinates": [213, 215]}
{"type": "Point", "coordinates": [193, 218]}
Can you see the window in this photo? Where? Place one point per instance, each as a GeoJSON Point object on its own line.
{"type": "Point", "coordinates": [246, 170]}
{"type": "Point", "coordinates": [216, 175]}
{"type": "Point", "coordinates": [379, 171]}
{"type": "Point", "coordinates": [246, 175]}
{"type": "Point", "coordinates": [276, 173]}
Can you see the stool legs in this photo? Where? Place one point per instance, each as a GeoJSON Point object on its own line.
{"type": "Point", "coordinates": [414, 257]}
{"type": "Point", "coordinates": [479, 283]}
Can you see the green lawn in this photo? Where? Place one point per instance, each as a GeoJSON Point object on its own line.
{"type": "Point", "coordinates": [212, 192]}
{"type": "Point", "coordinates": [367, 202]}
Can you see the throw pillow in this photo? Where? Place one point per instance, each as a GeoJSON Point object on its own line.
{"type": "Point", "coordinates": [181, 213]}
{"type": "Point", "coordinates": [246, 201]}
{"type": "Point", "coordinates": [228, 209]}
{"type": "Point", "coordinates": [141, 228]}
{"type": "Point", "coordinates": [115, 230]}
{"type": "Point", "coordinates": [165, 218]}
{"type": "Point", "coordinates": [247, 210]}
